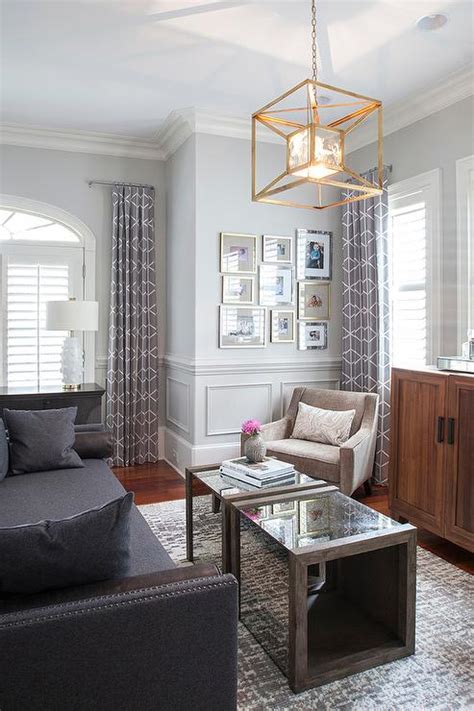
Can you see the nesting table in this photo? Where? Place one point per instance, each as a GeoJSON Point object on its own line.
{"type": "Point", "coordinates": [327, 585]}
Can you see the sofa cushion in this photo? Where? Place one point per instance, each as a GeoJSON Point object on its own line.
{"type": "Point", "coordinates": [330, 400]}
{"type": "Point", "coordinates": [28, 498]}
{"type": "Point", "coordinates": [324, 426]}
{"type": "Point", "coordinates": [320, 461]}
{"type": "Point", "coordinates": [41, 439]}
{"type": "Point", "coordinates": [4, 455]}
{"type": "Point", "coordinates": [90, 546]}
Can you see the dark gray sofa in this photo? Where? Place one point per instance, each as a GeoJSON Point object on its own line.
{"type": "Point", "coordinates": [160, 638]}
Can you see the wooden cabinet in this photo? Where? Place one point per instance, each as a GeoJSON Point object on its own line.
{"type": "Point", "coordinates": [432, 452]}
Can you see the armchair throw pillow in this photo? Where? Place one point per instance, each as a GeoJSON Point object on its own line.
{"type": "Point", "coordinates": [324, 426]}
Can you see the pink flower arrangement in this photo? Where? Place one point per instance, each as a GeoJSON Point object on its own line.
{"type": "Point", "coordinates": [251, 427]}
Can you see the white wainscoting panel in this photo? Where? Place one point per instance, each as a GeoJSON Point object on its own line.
{"type": "Point", "coordinates": [287, 387]}
{"type": "Point", "coordinates": [178, 403]}
{"type": "Point", "coordinates": [228, 404]}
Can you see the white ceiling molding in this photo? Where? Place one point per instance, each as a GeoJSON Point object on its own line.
{"type": "Point", "coordinates": [182, 123]}
{"type": "Point", "coordinates": [79, 141]}
{"type": "Point", "coordinates": [448, 91]}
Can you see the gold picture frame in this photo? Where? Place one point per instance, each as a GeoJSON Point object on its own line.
{"type": "Point", "coordinates": [278, 316]}
{"type": "Point", "coordinates": [238, 253]}
{"type": "Point", "coordinates": [314, 300]}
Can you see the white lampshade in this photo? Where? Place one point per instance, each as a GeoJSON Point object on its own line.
{"type": "Point", "coordinates": [72, 315]}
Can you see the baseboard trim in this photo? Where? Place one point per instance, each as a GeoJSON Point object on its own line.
{"type": "Point", "coordinates": [180, 454]}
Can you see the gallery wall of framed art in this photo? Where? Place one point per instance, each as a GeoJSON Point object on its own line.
{"type": "Point", "coordinates": [282, 298]}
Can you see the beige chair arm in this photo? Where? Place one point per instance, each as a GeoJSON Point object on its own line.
{"type": "Point", "coordinates": [280, 429]}
{"type": "Point", "coordinates": [356, 460]}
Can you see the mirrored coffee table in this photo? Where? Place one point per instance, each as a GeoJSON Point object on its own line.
{"type": "Point", "coordinates": [327, 584]}
{"type": "Point", "coordinates": [224, 489]}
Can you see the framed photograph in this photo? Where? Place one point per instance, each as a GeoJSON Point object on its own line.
{"type": "Point", "coordinates": [313, 254]}
{"type": "Point", "coordinates": [242, 327]}
{"type": "Point", "coordinates": [313, 517]}
{"type": "Point", "coordinates": [276, 285]}
{"type": "Point", "coordinates": [314, 301]}
{"type": "Point", "coordinates": [238, 289]}
{"type": "Point", "coordinates": [238, 253]}
{"type": "Point", "coordinates": [282, 326]}
{"type": "Point", "coordinates": [312, 336]}
{"type": "Point", "coordinates": [277, 249]}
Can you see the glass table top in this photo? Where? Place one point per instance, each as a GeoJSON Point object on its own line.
{"type": "Point", "coordinates": [306, 520]}
{"type": "Point", "coordinates": [225, 486]}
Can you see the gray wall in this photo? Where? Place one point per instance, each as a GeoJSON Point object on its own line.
{"type": "Point", "coordinates": [59, 178]}
{"type": "Point", "coordinates": [434, 142]}
{"type": "Point", "coordinates": [210, 391]}
{"type": "Point", "coordinates": [181, 250]}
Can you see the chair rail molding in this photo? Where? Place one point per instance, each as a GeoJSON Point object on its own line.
{"type": "Point", "coordinates": [229, 367]}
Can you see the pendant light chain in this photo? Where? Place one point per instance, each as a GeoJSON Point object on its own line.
{"type": "Point", "coordinates": [314, 44]}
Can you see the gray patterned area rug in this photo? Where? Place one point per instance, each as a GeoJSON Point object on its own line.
{"type": "Point", "coordinates": [438, 677]}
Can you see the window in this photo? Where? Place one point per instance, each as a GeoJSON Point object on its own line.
{"type": "Point", "coordinates": [465, 231]}
{"type": "Point", "coordinates": [414, 229]}
{"type": "Point", "coordinates": [41, 259]}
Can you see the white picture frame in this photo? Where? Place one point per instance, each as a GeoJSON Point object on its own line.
{"type": "Point", "coordinates": [242, 326]}
{"type": "Point", "coordinates": [276, 285]}
{"type": "Point", "coordinates": [238, 289]}
{"type": "Point", "coordinates": [313, 254]}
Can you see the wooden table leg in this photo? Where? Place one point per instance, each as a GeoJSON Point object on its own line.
{"type": "Point", "coordinates": [189, 516]}
{"type": "Point", "coordinates": [216, 503]}
{"type": "Point", "coordinates": [298, 623]}
{"type": "Point", "coordinates": [225, 524]}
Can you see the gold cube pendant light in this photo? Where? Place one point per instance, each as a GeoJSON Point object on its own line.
{"type": "Point", "coordinates": [311, 122]}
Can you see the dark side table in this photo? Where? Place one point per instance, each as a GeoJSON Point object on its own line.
{"type": "Point", "coordinates": [88, 400]}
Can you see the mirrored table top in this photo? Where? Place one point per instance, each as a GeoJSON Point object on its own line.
{"type": "Point", "coordinates": [307, 519]}
{"type": "Point", "coordinates": [225, 486]}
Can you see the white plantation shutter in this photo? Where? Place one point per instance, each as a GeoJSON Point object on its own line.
{"type": "Point", "coordinates": [409, 288]}
{"type": "Point", "coordinates": [31, 354]}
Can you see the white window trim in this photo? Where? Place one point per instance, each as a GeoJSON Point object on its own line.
{"type": "Point", "coordinates": [88, 244]}
{"type": "Point", "coordinates": [465, 246]}
{"type": "Point", "coordinates": [429, 183]}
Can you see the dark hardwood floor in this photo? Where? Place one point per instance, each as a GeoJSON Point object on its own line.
{"type": "Point", "coordinates": [153, 483]}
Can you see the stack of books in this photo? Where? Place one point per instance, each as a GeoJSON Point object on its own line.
{"type": "Point", "coordinates": [268, 473]}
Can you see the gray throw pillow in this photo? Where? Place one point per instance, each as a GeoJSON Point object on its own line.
{"type": "Point", "coordinates": [3, 451]}
{"type": "Point", "coordinates": [91, 546]}
{"type": "Point", "coordinates": [41, 439]}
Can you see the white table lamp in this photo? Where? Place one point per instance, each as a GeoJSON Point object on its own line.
{"type": "Point", "coordinates": [72, 316]}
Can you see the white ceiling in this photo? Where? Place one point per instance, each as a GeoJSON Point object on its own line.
{"type": "Point", "coordinates": [120, 66]}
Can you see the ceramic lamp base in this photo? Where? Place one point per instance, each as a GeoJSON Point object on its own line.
{"type": "Point", "coordinates": [72, 363]}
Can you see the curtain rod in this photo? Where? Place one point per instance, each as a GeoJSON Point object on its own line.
{"type": "Point", "coordinates": [117, 182]}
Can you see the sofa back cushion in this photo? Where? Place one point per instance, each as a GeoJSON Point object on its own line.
{"type": "Point", "coordinates": [90, 546]}
{"type": "Point", "coordinates": [41, 439]}
{"type": "Point", "coordinates": [4, 456]}
{"type": "Point", "coordinates": [324, 426]}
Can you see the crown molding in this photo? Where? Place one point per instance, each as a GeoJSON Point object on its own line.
{"type": "Point", "coordinates": [183, 123]}
{"type": "Point", "coordinates": [107, 144]}
{"type": "Point", "coordinates": [453, 88]}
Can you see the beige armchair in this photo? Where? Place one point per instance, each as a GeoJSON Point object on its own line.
{"type": "Point", "coordinates": [348, 466]}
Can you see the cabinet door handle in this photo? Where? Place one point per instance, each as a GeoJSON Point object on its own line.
{"type": "Point", "coordinates": [440, 434]}
{"type": "Point", "coordinates": [450, 430]}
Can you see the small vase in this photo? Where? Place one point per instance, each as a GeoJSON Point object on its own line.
{"type": "Point", "coordinates": [255, 449]}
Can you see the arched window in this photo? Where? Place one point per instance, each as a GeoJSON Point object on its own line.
{"type": "Point", "coordinates": [46, 254]}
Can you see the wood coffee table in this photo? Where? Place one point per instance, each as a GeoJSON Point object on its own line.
{"type": "Point", "coordinates": [224, 489]}
{"type": "Point", "coordinates": [327, 584]}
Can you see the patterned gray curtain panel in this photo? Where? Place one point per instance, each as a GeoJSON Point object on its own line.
{"type": "Point", "coordinates": [132, 369]}
{"type": "Point", "coordinates": [366, 310]}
